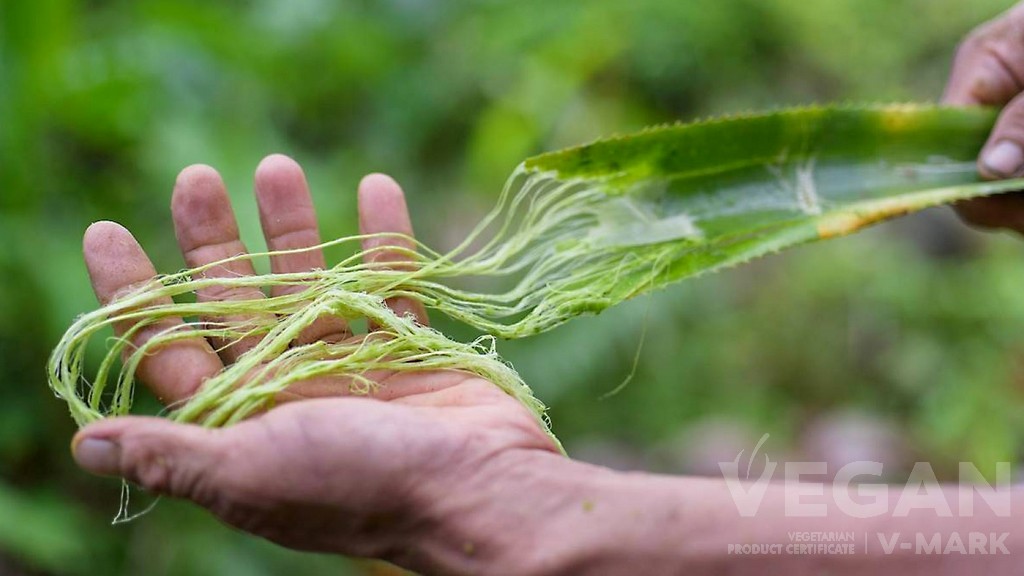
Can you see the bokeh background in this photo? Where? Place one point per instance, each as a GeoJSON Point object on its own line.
{"type": "Point", "coordinates": [900, 344]}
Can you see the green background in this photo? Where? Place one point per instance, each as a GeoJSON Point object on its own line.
{"type": "Point", "coordinates": [901, 343]}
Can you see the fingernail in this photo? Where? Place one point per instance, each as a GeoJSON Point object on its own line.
{"type": "Point", "coordinates": [101, 457]}
{"type": "Point", "coordinates": [1004, 159]}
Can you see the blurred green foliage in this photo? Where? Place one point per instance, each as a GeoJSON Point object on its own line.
{"type": "Point", "coordinates": [101, 103]}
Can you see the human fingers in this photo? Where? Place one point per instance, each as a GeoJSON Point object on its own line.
{"type": "Point", "coordinates": [289, 223]}
{"type": "Point", "coordinates": [207, 232]}
{"type": "Point", "coordinates": [988, 70]}
{"type": "Point", "coordinates": [382, 209]}
{"type": "Point", "coordinates": [116, 263]}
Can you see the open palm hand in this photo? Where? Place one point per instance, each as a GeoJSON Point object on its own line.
{"type": "Point", "coordinates": [325, 470]}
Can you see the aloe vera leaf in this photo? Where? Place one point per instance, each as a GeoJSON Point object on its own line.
{"type": "Point", "coordinates": [712, 194]}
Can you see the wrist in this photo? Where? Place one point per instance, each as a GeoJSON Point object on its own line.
{"type": "Point", "coordinates": [502, 516]}
{"type": "Point", "coordinates": [534, 512]}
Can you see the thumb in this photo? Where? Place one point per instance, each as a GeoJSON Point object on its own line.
{"type": "Point", "coordinates": [164, 457]}
{"type": "Point", "coordinates": [1003, 154]}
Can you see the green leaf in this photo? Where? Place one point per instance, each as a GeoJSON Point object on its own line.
{"type": "Point", "coordinates": [716, 193]}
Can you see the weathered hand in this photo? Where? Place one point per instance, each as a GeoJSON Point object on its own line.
{"type": "Point", "coordinates": [389, 476]}
{"type": "Point", "coordinates": [989, 70]}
